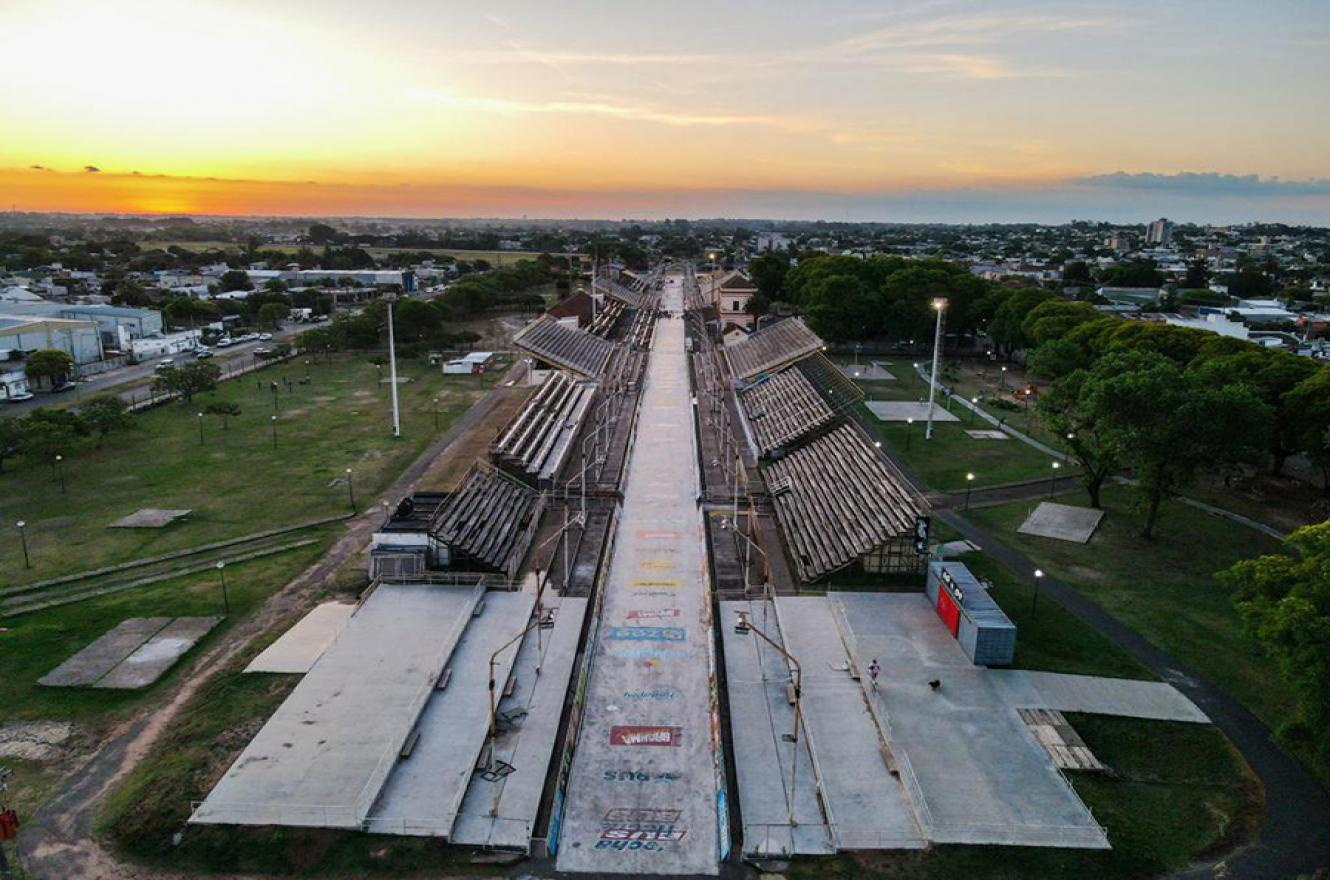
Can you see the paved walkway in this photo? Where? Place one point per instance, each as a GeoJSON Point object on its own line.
{"type": "Point", "coordinates": [645, 786]}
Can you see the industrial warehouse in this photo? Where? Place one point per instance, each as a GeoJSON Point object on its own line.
{"type": "Point", "coordinates": [682, 606]}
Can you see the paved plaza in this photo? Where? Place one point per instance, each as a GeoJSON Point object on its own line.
{"type": "Point", "coordinates": [645, 788]}
{"type": "Point", "coordinates": [907, 410]}
{"type": "Point", "coordinates": [868, 372]}
{"type": "Point", "coordinates": [1063, 522]}
{"type": "Point", "coordinates": [133, 654]}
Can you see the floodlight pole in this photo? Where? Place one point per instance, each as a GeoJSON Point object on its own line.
{"type": "Point", "coordinates": [940, 305]}
{"type": "Point", "coordinates": [796, 679]}
{"type": "Point", "coordinates": [392, 365]}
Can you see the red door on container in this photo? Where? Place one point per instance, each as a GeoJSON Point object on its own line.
{"type": "Point", "coordinates": [947, 610]}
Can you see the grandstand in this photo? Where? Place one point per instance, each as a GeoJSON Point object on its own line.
{"type": "Point", "coordinates": [488, 523]}
{"type": "Point", "coordinates": [839, 502]}
{"type": "Point", "coordinates": [568, 348]}
{"type": "Point", "coordinates": [803, 399]}
{"type": "Point", "coordinates": [535, 444]}
{"type": "Point", "coordinates": [771, 348]}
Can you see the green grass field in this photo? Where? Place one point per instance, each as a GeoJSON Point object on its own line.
{"type": "Point", "coordinates": [944, 461]}
{"type": "Point", "coordinates": [235, 482]}
{"type": "Point", "coordinates": [36, 643]}
{"type": "Point", "coordinates": [1165, 588]}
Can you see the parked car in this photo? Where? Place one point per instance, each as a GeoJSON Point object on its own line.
{"type": "Point", "coordinates": [63, 387]}
{"type": "Point", "coordinates": [263, 352]}
{"type": "Point", "coordinates": [20, 397]}
{"type": "Point", "coordinates": [165, 364]}
{"type": "Point", "coordinates": [265, 337]}
{"type": "Point", "coordinates": [202, 353]}
{"type": "Point", "coordinates": [225, 342]}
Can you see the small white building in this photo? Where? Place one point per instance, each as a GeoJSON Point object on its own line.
{"type": "Point", "coordinates": [475, 362]}
{"type": "Point", "coordinates": [150, 347]}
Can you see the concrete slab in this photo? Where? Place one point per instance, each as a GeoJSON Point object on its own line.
{"type": "Point", "coordinates": [989, 435]}
{"type": "Point", "coordinates": [501, 813]}
{"type": "Point", "coordinates": [873, 372]}
{"type": "Point", "coordinates": [643, 796]}
{"type": "Point", "coordinates": [296, 650]}
{"type": "Point", "coordinates": [904, 410]}
{"type": "Point", "coordinates": [867, 806]}
{"type": "Point", "coordinates": [158, 654]}
{"type": "Point", "coordinates": [1064, 522]}
{"type": "Point", "coordinates": [1111, 696]}
{"type": "Point", "coordinates": [761, 718]}
{"type": "Point", "coordinates": [975, 773]}
{"type": "Point", "coordinates": [323, 757]}
{"type": "Point", "coordinates": [424, 791]}
{"type": "Point", "coordinates": [149, 518]}
{"type": "Point", "coordinates": [105, 653]}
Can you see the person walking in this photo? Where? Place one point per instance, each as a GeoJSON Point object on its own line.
{"type": "Point", "coordinates": [873, 670]}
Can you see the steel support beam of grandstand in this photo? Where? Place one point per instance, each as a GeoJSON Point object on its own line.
{"type": "Point", "coordinates": [646, 795]}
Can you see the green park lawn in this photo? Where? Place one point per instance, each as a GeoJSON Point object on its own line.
{"type": "Point", "coordinates": [1164, 588]}
{"type": "Point", "coordinates": [34, 644]}
{"type": "Point", "coordinates": [236, 481]}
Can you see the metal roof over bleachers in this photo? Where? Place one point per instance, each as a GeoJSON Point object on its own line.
{"type": "Point", "coordinates": [771, 348]}
{"type": "Point", "coordinates": [567, 347]}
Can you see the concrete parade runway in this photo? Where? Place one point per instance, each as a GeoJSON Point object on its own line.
{"type": "Point", "coordinates": [643, 793]}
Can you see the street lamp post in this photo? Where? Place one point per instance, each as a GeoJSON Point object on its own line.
{"type": "Point", "coordinates": [969, 483]}
{"type": "Point", "coordinates": [940, 306]}
{"type": "Point", "coordinates": [909, 432]}
{"type": "Point", "coordinates": [436, 414]}
{"type": "Point", "coordinates": [273, 420]}
{"type": "Point", "coordinates": [200, 429]}
{"type": "Point", "coordinates": [1004, 378]}
{"type": "Point", "coordinates": [974, 407]}
{"type": "Point", "coordinates": [226, 599]}
{"type": "Point", "coordinates": [743, 626]}
{"type": "Point", "coordinates": [1034, 603]}
{"type": "Point", "coordinates": [351, 491]}
{"type": "Point", "coordinates": [60, 468]}
{"type": "Point", "coordinates": [1052, 481]}
{"type": "Point", "coordinates": [392, 365]}
{"type": "Point", "coordinates": [23, 539]}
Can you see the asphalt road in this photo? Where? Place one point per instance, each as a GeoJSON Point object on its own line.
{"type": "Point", "coordinates": [129, 381]}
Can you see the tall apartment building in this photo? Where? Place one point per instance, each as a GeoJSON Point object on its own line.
{"type": "Point", "coordinates": [1159, 232]}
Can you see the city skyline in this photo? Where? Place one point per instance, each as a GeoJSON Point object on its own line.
{"type": "Point", "coordinates": [927, 112]}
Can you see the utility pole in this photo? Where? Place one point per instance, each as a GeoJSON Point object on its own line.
{"type": "Point", "coordinates": [940, 305]}
{"type": "Point", "coordinates": [392, 365]}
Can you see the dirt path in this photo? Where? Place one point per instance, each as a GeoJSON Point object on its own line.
{"type": "Point", "coordinates": [58, 843]}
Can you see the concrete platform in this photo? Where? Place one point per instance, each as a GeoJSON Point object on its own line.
{"type": "Point", "coordinates": [501, 813]}
{"type": "Point", "coordinates": [867, 806]}
{"type": "Point", "coordinates": [975, 773]}
{"type": "Point", "coordinates": [323, 757]}
{"type": "Point", "coordinates": [104, 653]}
{"type": "Point", "coordinates": [904, 410]}
{"type": "Point", "coordinates": [296, 650]}
{"type": "Point", "coordinates": [424, 791]}
{"type": "Point", "coordinates": [761, 720]}
{"type": "Point", "coordinates": [1112, 696]}
{"type": "Point", "coordinates": [644, 793]}
{"type": "Point", "coordinates": [989, 435]}
{"type": "Point", "coordinates": [1063, 522]}
{"type": "Point", "coordinates": [158, 654]}
{"type": "Point", "coordinates": [149, 518]}
{"type": "Point", "coordinates": [871, 372]}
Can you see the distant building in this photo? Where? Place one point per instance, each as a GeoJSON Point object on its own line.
{"type": "Point", "coordinates": [1119, 242]}
{"type": "Point", "coordinates": [1160, 232]}
{"type": "Point", "coordinates": [81, 340]}
{"type": "Point", "coordinates": [730, 293]}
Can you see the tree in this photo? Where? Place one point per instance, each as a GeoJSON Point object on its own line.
{"type": "Point", "coordinates": [52, 432]}
{"type": "Point", "coordinates": [1284, 600]}
{"type": "Point", "coordinates": [1311, 398]}
{"type": "Point", "coordinates": [12, 434]}
{"type": "Point", "coordinates": [225, 409]}
{"type": "Point", "coordinates": [1076, 272]}
{"type": "Point", "coordinates": [1198, 275]}
{"type": "Point", "coordinates": [187, 311]}
{"type": "Point", "coordinates": [840, 307]}
{"type": "Point", "coordinates": [1067, 407]}
{"type": "Point", "coordinates": [768, 272]}
{"type": "Point", "coordinates": [189, 379]}
{"type": "Point", "coordinates": [1134, 273]}
{"type": "Point", "coordinates": [272, 314]}
{"type": "Point", "coordinates": [234, 279]}
{"type": "Point", "coordinates": [104, 414]}
{"type": "Point", "coordinates": [50, 364]}
{"type": "Point", "coordinates": [1165, 424]}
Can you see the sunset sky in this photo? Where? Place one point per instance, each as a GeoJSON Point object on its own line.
{"type": "Point", "coordinates": [908, 111]}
